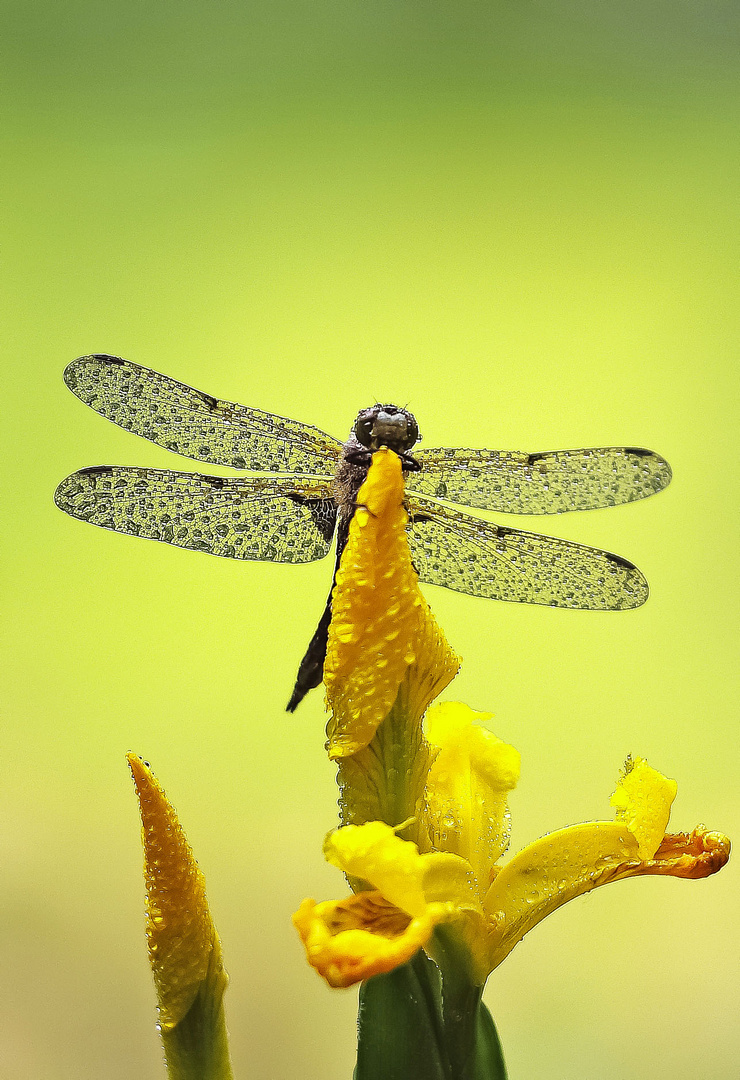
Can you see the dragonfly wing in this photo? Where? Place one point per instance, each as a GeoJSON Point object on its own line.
{"type": "Point", "coordinates": [549, 483]}
{"type": "Point", "coordinates": [477, 557]}
{"type": "Point", "coordinates": [195, 424]}
{"type": "Point", "coordinates": [273, 519]}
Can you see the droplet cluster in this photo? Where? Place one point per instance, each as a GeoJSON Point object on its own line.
{"type": "Point", "coordinates": [192, 423]}
{"type": "Point", "coordinates": [237, 518]}
{"type": "Point", "coordinates": [549, 483]}
{"type": "Point", "coordinates": [472, 556]}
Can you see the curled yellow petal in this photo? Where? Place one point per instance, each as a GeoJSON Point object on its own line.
{"type": "Point", "coordinates": [184, 948]}
{"type": "Point", "coordinates": [350, 940]}
{"type": "Point", "coordinates": [375, 931]}
{"type": "Point", "coordinates": [548, 873]}
{"type": "Point", "coordinates": [643, 801]}
{"type": "Point", "coordinates": [465, 807]}
{"type": "Point", "coordinates": [454, 727]}
{"type": "Point", "coordinates": [375, 854]}
{"type": "Point", "coordinates": [408, 880]}
{"type": "Point", "coordinates": [381, 624]}
{"type": "Point", "coordinates": [572, 861]}
{"type": "Point", "coordinates": [693, 855]}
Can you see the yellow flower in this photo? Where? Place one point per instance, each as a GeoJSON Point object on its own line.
{"type": "Point", "coordinates": [464, 807]}
{"type": "Point", "coordinates": [488, 907]}
{"type": "Point", "coordinates": [382, 632]}
{"type": "Point", "coordinates": [386, 659]}
{"type": "Point", "coordinates": [376, 930]}
{"type": "Point", "coordinates": [444, 785]}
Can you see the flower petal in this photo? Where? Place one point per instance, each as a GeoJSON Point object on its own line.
{"type": "Point", "coordinates": [408, 880]}
{"type": "Point", "coordinates": [643, 800]}
{"type": "Point", "coordinates": [550, 872]}
{"type": "Point", "coordinates": [572, 861]}
{"type": "Point", "coordinates": [349, 940]}
{"type": "Point", "coordinates": [381, 624]}
{"type": "Point", "coordinates": [438, 885]}
{"type": "Point", "coordinates": [465, 806]}
{"type": "Point", "coordinates": [697, 854]}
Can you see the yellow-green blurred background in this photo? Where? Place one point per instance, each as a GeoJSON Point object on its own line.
{"type": "Point", "coordinates": [516, 217]}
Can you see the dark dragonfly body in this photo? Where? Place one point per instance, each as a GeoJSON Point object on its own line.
{"type": "Point", "coordinates": [306, 485]}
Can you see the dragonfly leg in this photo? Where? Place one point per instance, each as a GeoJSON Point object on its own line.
{"type": "Point", "coordinates": [363, 506]}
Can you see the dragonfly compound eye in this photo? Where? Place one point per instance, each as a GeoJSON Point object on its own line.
{"type": "Point", "coordinates": [364, 429]}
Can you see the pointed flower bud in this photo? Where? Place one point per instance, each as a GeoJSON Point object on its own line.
{"type": "Point", "coordinates": [184, 948]}
{"type": "Point", "coordinates": [382, 631]}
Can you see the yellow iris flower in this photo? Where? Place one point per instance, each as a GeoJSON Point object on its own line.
{"type": "Point", "coordinates": [489, 907]}
{"type": "Point", "coordinates": [382, 635]}
{"type": "Point", "coordinates": [445, 786]}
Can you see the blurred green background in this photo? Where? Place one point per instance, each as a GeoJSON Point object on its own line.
{"type": "Point", "coordinates": [516, 217]}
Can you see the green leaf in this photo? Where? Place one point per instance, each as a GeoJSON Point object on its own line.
{"type": "Point", "coordinates": [489, 1057]}
{"type": "Point", "coordinates": [400, 1030]}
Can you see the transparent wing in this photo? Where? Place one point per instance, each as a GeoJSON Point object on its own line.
{"type": "Point", "coordinates": [472, 556]}
{"type": "Point", "coordinates": [548, 483]}
{"type": "Point", "coordinates": [274, 519]}
{"type": "Point", "coordinates": [195, 424]}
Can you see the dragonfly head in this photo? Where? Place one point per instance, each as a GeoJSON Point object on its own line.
{"type": "Point", "coordinates": [386, 425]}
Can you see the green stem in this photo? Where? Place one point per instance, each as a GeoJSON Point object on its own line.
{"type": "Point", "coordinates": [384, 781]}
{"type": "Point", "coordinates": [489, 1056]}
{"type": "Point", "coordinates": [400, 1033]}
{"type": "Point", "coordinates": [460, 1001]}
{"type": "Point", "coordinates": [428, 977]}
{"type": "Point", "coordinates": [471, 1039]}
{"type": "Point", "coordinates": [420, 1023]}
{"type": "Point", "coordinates": [197, 1048]}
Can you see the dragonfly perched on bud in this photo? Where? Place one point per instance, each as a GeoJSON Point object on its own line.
{"type": "Point", "coordinates": [306, 488]}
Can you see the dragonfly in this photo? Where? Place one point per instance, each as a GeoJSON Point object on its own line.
{"type": "Point", "coordinates": [305, 487]}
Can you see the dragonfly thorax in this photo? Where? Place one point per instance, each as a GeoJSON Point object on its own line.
{"type": "Point", "coordinates": [386, 425]}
